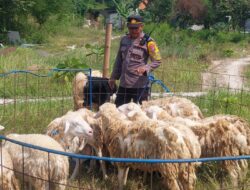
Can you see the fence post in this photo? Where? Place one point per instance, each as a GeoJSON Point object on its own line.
{"type": "Point", "coordinates": [107, 50]}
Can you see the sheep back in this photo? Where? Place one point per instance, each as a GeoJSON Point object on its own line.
{"type": "Point", "coordinates": [176, 106]}
{"type": "Point", "coordinates": [36, 163]}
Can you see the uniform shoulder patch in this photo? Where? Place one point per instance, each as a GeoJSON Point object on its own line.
{"type": "Point", "coordinates": [153, 50]}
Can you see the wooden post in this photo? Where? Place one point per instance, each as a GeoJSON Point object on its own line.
{"type": "Point", "coordinates": [107, 50]}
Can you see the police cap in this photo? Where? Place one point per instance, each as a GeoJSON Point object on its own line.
{"type": "Point", "coordinates": [134, 21]}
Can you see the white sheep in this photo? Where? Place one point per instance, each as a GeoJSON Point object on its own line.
{"type": "Point", "coordinates": [126, 108]}
{"type": "Point", "coordinates": [225, 135]}
{"type": "Point", "coordinates": [75, 142]}
{"type": "Point", "coordinates": [39, 169]}
{"type": "Point", "coordinates": [64, 129]}
{"type": "Point", "coordinates": [176, 106]}
{"type": "Point", "coordinates": [219, 135]}
{"type": "Point", "coordinates": [79, 81]}
{"type": "Point", "coordinates": [148, 139]}
{"type": "Point", "coordinates": [158, 113]}
{"type": "Point", "coordinates": [132, 112]}
{"type": "Point", "coordinates": [8, 180]}
{"type": "Point", "coordinates": [135, 113]}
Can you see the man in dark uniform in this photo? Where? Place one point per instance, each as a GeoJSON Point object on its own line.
{"type": "Point", "coordinates": [131, 66]}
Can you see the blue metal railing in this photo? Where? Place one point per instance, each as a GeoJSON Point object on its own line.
{"type": "Point", "coordinates": [152, 79]}
{"type": "Point", "coordinates": [50, 73]}
{"type": "Point", "coordinates": [127, 160]}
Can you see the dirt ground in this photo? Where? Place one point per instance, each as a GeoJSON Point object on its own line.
{"type": "Point", "coordinates": [227, 74]}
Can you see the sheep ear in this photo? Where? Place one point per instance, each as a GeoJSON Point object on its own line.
{"type": "Point", "coordinates": [91, 120]}
{"type": "Point", "coordinates": [82, 145]}
{"type": "Point", "coordinates": [67, 125]}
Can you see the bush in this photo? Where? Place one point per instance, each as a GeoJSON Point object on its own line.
{"type": "Point", "coordinates": [61, 23]}
{"type": "Point", "coordinates": [236, 37]}
{"type": "Point", "coordinates": [228, 53]}
{"type": "Point", "coordinates": [206, 35]}
{"type": "Point", "coordinates": [38, 37]}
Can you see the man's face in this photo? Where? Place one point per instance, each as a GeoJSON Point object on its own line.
{"type": "Point", "coordinates": [135, 32]}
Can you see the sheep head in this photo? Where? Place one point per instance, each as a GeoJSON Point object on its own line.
{"type": "Point", "coordinates": [126, 108]}
{"type": "Point", "coordinates": [75, 125]}
{"type": "Point", "coordinates": [156, 112]}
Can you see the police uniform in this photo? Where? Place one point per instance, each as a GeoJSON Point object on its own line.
{"type": "Point", "coordinates": [132, 55]}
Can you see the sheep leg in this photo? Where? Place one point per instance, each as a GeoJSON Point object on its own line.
{"type": "Point", "coordinates": [145, 176]}
{"type": "Point", "coordinates": [76, 169]}
{"type": "Point", "coordinates": [125, 176]}
{"type": "Point", "coordinates": [64, 184]}
{"type": "Point", "coordinates": [102, 163]}
{"type": "Point", "coordinates": [92, 166]}
{"type": "Point", "coordinates": [122, 176]}
{"type": "Point", "coordinates": [170, 183]}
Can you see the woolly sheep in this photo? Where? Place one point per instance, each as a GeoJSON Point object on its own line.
{"type": "Point", "coordinates": [101, 91]}
{"type": "Point", "coordinates": [75, 142]}
{"type": "Point", "coordinates": [219, 135]}
{"type": "Point", "coordinates": [126, 108]}
{"type": "Point", "coordinates": [134, 112]}
{"type": "Point", "coordinates": [96, 143]}
{"type": "Point", "coordinates": [79, 82]}
{"type": "Point", "coordinates": [39, 167]}
{"type": "Point", "coordinates": [64, 129]}
{"type": "Point", "coordinates": [158, 113]}
{"type": "Point", "coordinates": [130, 109]}
{"type": "Point", "coordinates": [225, 135]}
{"type": "Point", "coordinates": [148, 139]}
{"type": "Point", "coordinates": [8, 180]}
{"type": "Point", "coordinates": [176, 106]}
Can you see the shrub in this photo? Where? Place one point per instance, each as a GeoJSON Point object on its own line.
{"type": "Point", "coordinates": [206, 35]}
{"type": "Point", "coordinates": [228, 53]}
{"type": "Point", "coordinates": [236, 37]}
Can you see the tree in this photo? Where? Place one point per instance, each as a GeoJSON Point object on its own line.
{"type": "Point", "coordinates": [187, 12]}
{"type": "Point", "coordinates": [220, 11]}
{"type": "Point", "coordinates": [42, 9]}
{"type": "Point", "coordinates": [158, 10]}
{"type": "Point", "coordinates": [124, 9]}
{"type": "Point", "coordinates": [11, 11]}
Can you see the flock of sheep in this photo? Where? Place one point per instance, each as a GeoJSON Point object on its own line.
{"type": "Point", "coordinates": [166, 128]}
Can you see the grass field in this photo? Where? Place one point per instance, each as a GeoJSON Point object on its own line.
{"type": "Point", "coordinates": [39, 100]}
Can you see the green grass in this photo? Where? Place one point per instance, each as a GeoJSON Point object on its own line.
{"type": "Point", "coordinates": [33, 116]}
{"type": "Point", "coordinates": [247, 76]}
{"type": "Point", "coordinates": [44, 83]}
{"type": "Point", "coordinates": [223, 102]}
{"type": "Point", "coordinates": [185, 55]}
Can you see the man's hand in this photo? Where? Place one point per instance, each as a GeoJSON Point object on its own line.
{"type": "Point", "coordinates": [112, 83]}
{"type": "Point", "coordinates": [141, 70]}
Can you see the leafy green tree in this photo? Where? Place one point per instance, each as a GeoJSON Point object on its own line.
{"type": "Point", "coordinates": [11, 11]}
{"type": "Point", "coordinates": [238, 10]}
{"type": "Point", "coordinates": [123, 8]}
{"type": "Point", "coordinates": [221, 11]}
{"type": "Point", "coordinates": [42, 9]}
{"type": "Point", "coordinates": [83, 6]}
{"type": "Point", "coordinates": [158, 10]}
